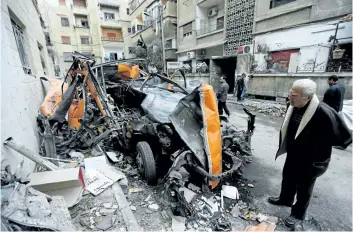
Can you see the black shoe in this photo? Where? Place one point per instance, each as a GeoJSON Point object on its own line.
{"type": "Point", "coordinates": [278, 201]}
{"type": "Point", "coordinates": [291, 221]}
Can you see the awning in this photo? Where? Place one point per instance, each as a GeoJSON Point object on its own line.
{"type": "Point", "coordinates": [203, 46]}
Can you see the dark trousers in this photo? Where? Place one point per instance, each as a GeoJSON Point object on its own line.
{"type": "Point", "coordinates": [221, 106]}
{"type": "Point", "coordinates": [299, 179]}
{"type": "Point", "coordinates": [239, 92]}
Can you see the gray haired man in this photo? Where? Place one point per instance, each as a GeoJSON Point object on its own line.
{"type": "Point", "coordinates": [308, 132]}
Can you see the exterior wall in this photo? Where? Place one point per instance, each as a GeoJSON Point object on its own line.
{"type": "Point", "coordinates": [21, 94]}
{"type": "Point", "coordinates": [312, 43]}
{"type": "Point", "coordinates": [296, 13]}
{"type": "Point", "coordinates": [117, 32]}
{"type": "Point", "coordinates": [278, 85]}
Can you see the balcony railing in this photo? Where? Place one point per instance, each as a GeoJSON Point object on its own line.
{"type": "Point", "coordinates": [210, 28]}
{"type": "Point", "coordinates": [112, 39]}
{"type": "Point", "coordinates": [80, 26]}
{"type": "Point", "coordinates": [133, 4]}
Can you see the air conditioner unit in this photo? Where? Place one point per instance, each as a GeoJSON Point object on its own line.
{"type": "Point", "coordinates": [190, 55]}
{"type": "Point", "coordinates": [212, 12]}
{"type": "Point", "coordinates": [246, 49]}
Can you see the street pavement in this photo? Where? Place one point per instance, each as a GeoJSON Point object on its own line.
{"type": "Point", "coordinates": [331, 204]}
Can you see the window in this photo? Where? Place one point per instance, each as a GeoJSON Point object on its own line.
{"type": "Point", "coordinates": [276, 3]}
{"type": "Point", "coordinates": [109, 16]}
{"type": "Point", "coordinates": [65, 22]}
{"type": "Point", "coordinates": [80, 3]}
{"type": "Point", "coordinates": [129, 30]}
{"type": "Point", "coordinates": [65, 39]}
{"type": "Point", "coordinates": [21, 46]}
{"type": "Point", "coordinates": [139, 27]}
{"type": "Point", "coordinates": [62, 2]}
{"type": "Point", "coordinates": [113, 56]}
{"type": "Point", "coordinates": [127, 11]}
{"type": "Point", "coordinates": [68, 57]}
{"type": "Point", "coordinates": [220, 23]}
{"type": "Point", "coordinates": [84, 23]}
{"type": "Point", "coordinates": [111, 35]}
{"type": "Point", "coordinates": [84, 40]}
{"type": "Point", "coordinates": [133, 30]}
{"type": "Point", "coordinates": [168, 44]}
{"type": "Point", "coordinates": [187, 30]}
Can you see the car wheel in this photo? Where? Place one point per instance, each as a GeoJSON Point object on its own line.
{"type": "Point", "coordinates": [146, 163]}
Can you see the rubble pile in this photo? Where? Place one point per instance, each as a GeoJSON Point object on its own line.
{"type": "Point", "coordinates": [266, 107]}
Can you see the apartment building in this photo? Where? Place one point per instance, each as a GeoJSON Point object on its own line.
{"type": "Point", "coordinates": [149, 18]}
{"type": "Point", "coordinates": [94, 28]}
{"type": "Point", "coordinates": [24, 60]}
{"type": "Point", "coordinates": [301, 38]}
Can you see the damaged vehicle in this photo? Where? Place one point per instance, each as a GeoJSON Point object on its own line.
{"type": "Point", "coordinates": [170, 131]}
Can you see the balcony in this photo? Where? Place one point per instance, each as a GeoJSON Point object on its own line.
{"type": "Point", "coordinates": [210, 29]}
{"type": "Point", "coordinates": [112, 39]}
{"type": "Point", "coordinates": [133, 4]}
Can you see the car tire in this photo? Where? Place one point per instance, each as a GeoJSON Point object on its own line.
{"type": "Point", "coordinates": [146, 163]}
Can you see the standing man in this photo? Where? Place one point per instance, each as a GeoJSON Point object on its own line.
{"type": "Point", "coordinates": [222, 95]}
{"type": "Point", "coordinates": [335, 94]}
{"type": "Point", "coordinates": [308, 132]}
{"type": "Point", "coordinates": [240, 86]}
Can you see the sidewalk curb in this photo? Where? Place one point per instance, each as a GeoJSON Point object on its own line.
{"type": "Point", "coordinates": [128, 216]}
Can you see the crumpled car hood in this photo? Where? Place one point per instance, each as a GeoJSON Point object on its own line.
{"type": "Point", "coordinates": [159, 104]}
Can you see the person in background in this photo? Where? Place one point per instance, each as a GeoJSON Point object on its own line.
{"type": "Point", "coordinates": [222, 95]}
{"type": "Point", "coordinates": [240, 86]}
{"type": "Point", "coordinates": [335, 94]}
{"type": "Point", "coordinates": [308, 132]}
{"type": "Point", "coordinates": [245, 88]}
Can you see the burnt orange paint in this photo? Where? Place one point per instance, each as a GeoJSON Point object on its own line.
{"type": "Point", "coordinates": [76, 112]}
{"type": "Point", "coordinates": [53, 98]}
{"type": "Point", "coordinates": [213, 140]}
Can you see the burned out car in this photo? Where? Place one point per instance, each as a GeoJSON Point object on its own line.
{"type": "Point", "coordinates": [177, 129]}
{"type": "Point", "coordinates": [171, 132]}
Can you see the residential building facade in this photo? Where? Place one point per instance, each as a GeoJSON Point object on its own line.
{"type": "Point", "coordinates": [300, 38]}
{"type": "Point", "coordinates": [149, 18]}
{"type": "Point", "coordinates": [24, 60]}
{"type": "Point", "coordinates": [93, 28]}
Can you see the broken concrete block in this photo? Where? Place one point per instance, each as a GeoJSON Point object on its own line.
{"type": "Point", "coordinates": [178, 223]}
{"type": "Point", "coordinates": [133, 208]}
{"type": "Point", "coordinates": [154, 207]}
{"type": "Point", "coordinates": [107, 205]}
{"type": "Point", "coordinates": [106, 222]}
{"type": "Point", "coordinates": [251, 185]}
{"type": "Point", "coordinates": [68, 183]}
{"type": "Point", "coordinates": [105, 212]}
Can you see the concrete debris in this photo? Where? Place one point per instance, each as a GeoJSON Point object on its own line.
{"type": "Point", "coordinates": [148, 198]}
{"type": "Point", "coordinates": [107, 205]}
{"type": "Point", "coordinates": [178, 223]}
{"type": "Point", "coordinates": [30, 208]}
{"type": "Point", "coordinates": [235, 211]}
{"type": "Point", "coordinates": [105, 222]}
{"type": "Point", "coordinates": [135, 190]}
{"type": "Point", "coordinates": [112, 156]}
{"type": "Point", "coordinates": [261, 217]}
{"type": "Point", "coordinates": [154, 207]}
{"type": "Point", "coordinates": [68, 183]}
{"type": "Point", "coordinates": [133, 208]}
{"type": "Point", "coordinates": [251, 186]}
{"type": "Point", "coordinates": [267, 107]}
{"type": "Point", "coordinates": [105, 212]}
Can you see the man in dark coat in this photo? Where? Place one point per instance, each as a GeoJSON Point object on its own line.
{"type": "Point", "coordinates": [335, 94]}
{"type": "Point", "coordinates": [308, 132]}
{"type": "Point", "coordinates": [240, 86]}
{"type": "Point", "coordinates": [222, 95]}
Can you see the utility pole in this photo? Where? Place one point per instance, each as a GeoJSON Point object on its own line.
{"type": "Point", "coordinates": [162, 38]}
